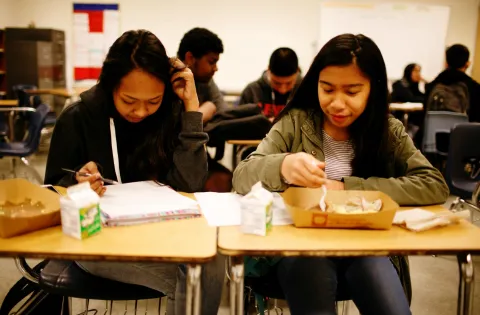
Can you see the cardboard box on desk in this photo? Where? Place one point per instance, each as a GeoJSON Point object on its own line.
{"type": "Point", "coordinates": [17, 191]}
{"type": "Point", "coordinates": [298, 200]}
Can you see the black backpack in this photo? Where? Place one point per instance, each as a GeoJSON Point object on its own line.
{"type": "Point", "coordinates": [452, 98]}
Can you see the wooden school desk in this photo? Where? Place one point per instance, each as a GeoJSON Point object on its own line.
{"type": "Point", "coordinates": [67, 93]}
{"type": "Point", "coordinates": [189, 241]}
{"type": "Point", "coordinates": [406, 108]}
{"type": "Point", "coordinates": [9, 103]}
{"type": "Point", "coordinates": [460, 239]}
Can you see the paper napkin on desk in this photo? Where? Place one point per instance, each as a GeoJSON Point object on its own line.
{"type": "Point", "coordinates": [421, 220]}
{"type": "Point", "coordinates": [223, 209]}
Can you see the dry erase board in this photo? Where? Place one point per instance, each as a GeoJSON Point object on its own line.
{"type": "Point", "coordinates": [405, 32]}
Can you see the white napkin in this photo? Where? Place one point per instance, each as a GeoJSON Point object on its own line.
{"type": "Point", "coordinates": [421, 220]}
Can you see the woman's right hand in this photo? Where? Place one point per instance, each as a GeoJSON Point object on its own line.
{"type": "Point", "coordinates": [302, 169]}
{"type": "Point", "coordinates": [95, 181]}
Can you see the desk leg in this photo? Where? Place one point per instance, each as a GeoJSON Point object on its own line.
{"type": "Point", "coordinates": [467, 282]}
{"type": "Point", "coordinates": [193, 289]}
{"type": "Point", "coordinates": [405, 119]}
{"type": "Point", "coordinates": [236, 285]}
{"type": "Point", "coordinates": [234, 156]}
{"type": "Point", "coordinates": [11, 126]}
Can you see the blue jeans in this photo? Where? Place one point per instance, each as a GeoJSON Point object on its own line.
{"type": "Point", "coordinates": [310, 285]}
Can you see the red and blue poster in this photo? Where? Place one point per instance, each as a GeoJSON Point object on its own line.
{"type": "Point", "coordinates": [95, 28]}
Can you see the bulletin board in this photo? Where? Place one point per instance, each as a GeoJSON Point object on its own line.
{"type": "Point", "coordinates": [95, 28]}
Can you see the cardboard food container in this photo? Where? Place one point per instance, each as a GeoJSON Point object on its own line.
{"type": "Point", "coordinates": [298, 200]}
{"type": "Point", "coordinates": [18, 191]}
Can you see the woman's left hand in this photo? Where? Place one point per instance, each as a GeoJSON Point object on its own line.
{"type": "Point", "coordinates": [183, 85]}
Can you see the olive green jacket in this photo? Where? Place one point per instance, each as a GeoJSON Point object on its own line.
{"type": "Point", "coordinates": [413, 181]}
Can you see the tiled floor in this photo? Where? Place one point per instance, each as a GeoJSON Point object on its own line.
{"type": "Point", "coordinates": [435, 279]}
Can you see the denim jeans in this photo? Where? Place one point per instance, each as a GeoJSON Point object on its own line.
{"type": "Point", "coordinates": [170, 279]}
{"type": "Point", "coordinates": [310, 285]}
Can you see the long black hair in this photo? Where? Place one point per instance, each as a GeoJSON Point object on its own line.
{"type": "Point", "coordinates": [369, 132]}
{"type": "Point", "coordinates": [407, 76]}
{"type": "Point", "coordinates": [143, 50]}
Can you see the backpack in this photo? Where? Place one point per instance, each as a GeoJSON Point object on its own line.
{"type": "Point", "coordinates": [452, 98]}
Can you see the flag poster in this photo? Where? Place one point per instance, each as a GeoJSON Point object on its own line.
{"type": "Point", "coordinates": [95, 28]}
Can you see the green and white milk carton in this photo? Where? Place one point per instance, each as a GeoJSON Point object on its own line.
{"type": "Point", "coordinates": [256, 211]}
{"type": "Point", "coordinates": [80, 211]}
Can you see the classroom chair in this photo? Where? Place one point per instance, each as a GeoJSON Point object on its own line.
{"type": "Point", "coordinates": [463, 162]}
{"type": "Point", "coordinates": [472, 205]}
{"type": "Point", "coordinates": [439, 122]}
{"type": "Point", "coordinates": [69, 280]}
{"type": "Point", "coordinates": [23, 149]}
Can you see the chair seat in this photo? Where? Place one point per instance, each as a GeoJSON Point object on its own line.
{"type": "Point", "coordinates": [14, 149]}
{"type": "Point", "coordinates": [270, 287]}
{"type": "Point", "coordinates": [50, 120]}
{"type": "Point", "coordinates": [67, 278]}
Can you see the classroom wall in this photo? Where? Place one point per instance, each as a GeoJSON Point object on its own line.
{"type": "Point", "coordinates": [250, 29]}
{"type": "Point", "coordinates": [6, 7]}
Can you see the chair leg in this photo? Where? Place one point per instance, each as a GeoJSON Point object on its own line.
{"type": "Point", "coordinates": [126, 308]}
{"type": "Point", "coordinates": [65, 304]}
{"type": "Point", "coordinates": [111, 307]}
{"type": "Point", "coordinates": [136, 305]}
{"type": "Point", "coordinates": [106, 308]}
{"type": "Point", "coordinates": [345, 307]}
{"type": "Point", "coordinates": [33, 170]}
{"type": "Point", "coordinates": [14, 167]}
{"type": "Point", "coordinates": [146, 307]}
{"type": "Point", "coordinates": [31, 303]}
{"type": "Point", "coordinates": [87, 303]}
{"type": "Point", "coordinates": [159, 305]}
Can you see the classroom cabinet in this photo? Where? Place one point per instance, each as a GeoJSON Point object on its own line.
{"type": "Point", "coordinates": [35, 57]}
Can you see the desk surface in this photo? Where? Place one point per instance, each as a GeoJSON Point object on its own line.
{"type": "Point", "coordinates": [8, 102]}
{"type": "Point", "coordinates": [244, 142]}
{"type": "Point", "coordinates": [406, 107]}
{"type": "Point", "coordinates": [59, 91]}
{"type": "Point", "coordinates": [291, 241]}
{"type": "Point", "coordinates": [190, 240]}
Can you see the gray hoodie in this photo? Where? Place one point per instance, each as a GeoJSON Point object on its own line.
{"type": "Point", "coordinates": [260, 92]}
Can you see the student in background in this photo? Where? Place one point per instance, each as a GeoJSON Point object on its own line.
{"type": "Point", "coordinates": [200, 50]}
{"type": "Point", "coordinates": [336, 131]}
{"type": "Point", "coordinates": [276, 85]}
{"type": "Point", "coordinates": [454, 79]}
{"type": "Point", "coordinates": [406, 89]}
{"type": "Point", "coordinates": [140, 122]}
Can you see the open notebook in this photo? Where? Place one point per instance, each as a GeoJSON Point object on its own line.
{"type": "Point", "coordinates": [143, 202]}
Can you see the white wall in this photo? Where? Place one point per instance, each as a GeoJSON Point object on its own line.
{"type": "Point", "coordinates": [6, 12]}
{"type": "Point", "coordinates": [250, 29]}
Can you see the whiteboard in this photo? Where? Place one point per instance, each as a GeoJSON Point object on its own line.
{"type": "Point", "coordinates": [405, 33]}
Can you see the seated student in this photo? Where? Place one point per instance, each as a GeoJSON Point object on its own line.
{"type": "Point", "coordinates": [455, 86]}
{"type": "Point", "coordinates": [200, 50]}
{"type": "Point", "coordinates": [140, 122]}
{"type": "Point", "coordinates": [406, 89]}
{"type": "Point", "coordinates": [336, 131]}
{"type": "Point", "coordinates": [276, 85]}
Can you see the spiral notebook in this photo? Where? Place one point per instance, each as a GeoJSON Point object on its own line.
{"type": "Point", "coordinates": [144, 202]}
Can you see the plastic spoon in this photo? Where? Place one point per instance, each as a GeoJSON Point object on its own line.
{"type": "Point", "coordinates": [322, 203]}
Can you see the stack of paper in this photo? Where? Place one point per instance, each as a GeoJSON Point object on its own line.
{"type": "Point", "coordinates": [143, 202]}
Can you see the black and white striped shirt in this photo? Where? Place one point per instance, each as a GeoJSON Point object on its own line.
{"type": "Point", "coordinates": [338, 157]}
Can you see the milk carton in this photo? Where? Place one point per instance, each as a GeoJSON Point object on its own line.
{"type": "Point", "coordinates": [80, 211]}
{"type": "Point", "coordinates": [256, 211]}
